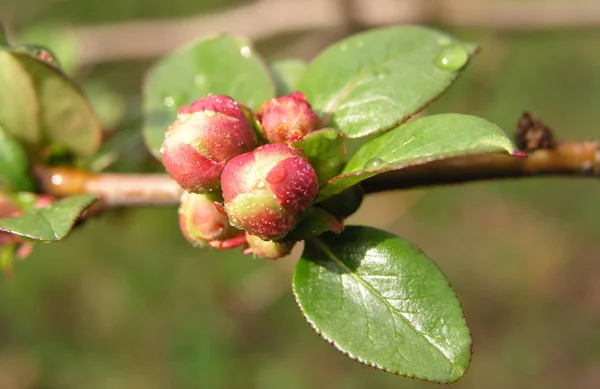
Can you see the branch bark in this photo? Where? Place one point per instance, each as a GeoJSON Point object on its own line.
{"type": "Point", "coordinates": [145, 39]}
{"type": "Point", "coordinates": [572, 159]}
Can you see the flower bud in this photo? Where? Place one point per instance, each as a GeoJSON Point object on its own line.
{"type": "Point", "coordinates": [267, 249]}
{"type": "Point", "coordinates": [203, 225]}
{"type": "Point", "coordinates": [287, 119]}
{"type": "Point", "coordinates": [204, 137]}
{"type": "Point", "coordinates": [267, 191]}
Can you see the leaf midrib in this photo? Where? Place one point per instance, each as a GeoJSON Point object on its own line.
{"type": "Point", "coordinates": [369, 287]}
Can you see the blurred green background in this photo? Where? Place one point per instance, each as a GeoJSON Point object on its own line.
{"type": "Point", "coordinates": [124, 302]}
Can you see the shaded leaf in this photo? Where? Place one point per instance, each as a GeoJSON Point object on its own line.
{"type": "Point", "coordinates": [287, 73]}
{"type": "Point", "coordinates": [19, 110]}
{"type": "Point", "coordinates": [51, 223]}
{"type": "Point", "coordinates": [223, 64]}
{"type": "Point", "coordinates": [326, 152]}
{"type": "Point", "coordinates": [14, 165]}
{"type": "Point", "coordinates": [66, 117]}
{"type": "Point", "coordinates": [381, 301]}
{"type": "Point", "coordinates": [372, 81]}
{"type": "Point", "coordinates": [419, 141]}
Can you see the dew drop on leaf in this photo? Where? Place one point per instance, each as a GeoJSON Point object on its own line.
{"type": "Point", "coordinates": [452, 58]}
{"type": "Point", "coordinates": [374, 163]}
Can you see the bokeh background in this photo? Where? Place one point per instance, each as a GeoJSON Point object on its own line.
{"type": "Point", "coordinates": [124, 302]}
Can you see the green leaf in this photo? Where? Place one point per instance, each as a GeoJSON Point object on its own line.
{"type": "Point", "coordinates": [383, 302]}
{"type": "Point", "coordinates": [223, 64]}
{"type": "Point", "coordinates": [19, 109]}
{"type": "Point", "coordinates": [66, 117]}
{"type": "Point", "coordinates": [372, 81]}
{"type": "Point", "coordinates": [315, 222]}
{"type": "Point", "coordinates": [326, 152]}
{"type": "Point", "coordinates": [59, 41]}
{"type": "Point", "coordinates": [51, 223]}
{"type": "Point", "coordinates": [419, 141]}
{"type": "Point", "coordinates": [14, 166]}
{"type": "Point", "coordinates": [287, 73]}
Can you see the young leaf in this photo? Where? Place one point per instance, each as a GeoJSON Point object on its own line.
{"type": "Point", "coordinates": [51, 223]}
{"type": "Point", "coordinates": [381, 301]}
{"type": "Point", "coordinates": [419, 141]}
{"type": "Point", "coordinates": [287, 73]}
{"type": "Point", "coordinates": [66, 117]}
{"type": "Point", "coordinates": [19, 110]}
{"type": "Point", "coordinates": [326, 151]}
{"type": "Point", "coordinates": [14, 166]}
{"type": "Point", "coordinates": [223, 64]}
{"type": "Point", "coordinates": [372, 81]}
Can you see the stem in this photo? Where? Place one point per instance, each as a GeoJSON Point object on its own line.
{"type": "Point", "coordinates": [565, 159]}
{"type": "Point", "coordinates": [115, 189]}
{"type": "Point", "coordinates": [131, 190]}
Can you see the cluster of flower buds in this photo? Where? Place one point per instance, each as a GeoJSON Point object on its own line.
{"type": "Point", "coordinates": [239, 192]}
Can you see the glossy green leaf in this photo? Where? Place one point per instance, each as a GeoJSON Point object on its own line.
{"type": "Point", "coordinates": [287, 73]}
{"type": "Point", "coordinates": [223, 64]}
{"type": "Point", "coordinates": [62, 43]}
{"type": "Point", "coordinates": [419, 141]}
{"type": "Point", "coordinates": [66, 117]}
{"type": "Point", "coordinates": [383, 302]}
{"type": "Point", "coordinates": [51, 223]}
{"type": "Point", "coordinates": [372, 81]}
{"type": "Point", "coordinates": [19, 109]}
{"type": "Point", "coordinates": [14, 165]}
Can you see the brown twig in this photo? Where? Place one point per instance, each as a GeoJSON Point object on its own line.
{"type": "Point", "coordinates": [145, 39]}
{"type": "Point", "coordinates": [565, 159]}
{"type": "Point", "coordinates": [131, 190]}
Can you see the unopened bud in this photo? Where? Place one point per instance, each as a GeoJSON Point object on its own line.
{"type": "Point", "coordinates": [287, 119]}
{"type": "Point", "coordinates": [267, 191]}
{"type": "Point", "coordinates": [203, 225]}
{"type": "Point", "coordinates": [204, 137]}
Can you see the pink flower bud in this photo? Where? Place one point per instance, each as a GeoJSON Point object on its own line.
{"type": "Point", "coordinates": [203, 225]}
{"type": "Point", "coordinates": [204, 137]}
{"type": "Point", "coordinates": [267, 191]}
{"type": "Point", "coordinates": [287, 119]}
{"type": "Point", "coordinates": [267, 249]}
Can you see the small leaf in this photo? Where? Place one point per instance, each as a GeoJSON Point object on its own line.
{"type": "Point", "coordinates": [326, 152]}
{"type": "Point", "coordinates": [315, 222]}
{"type": "Point", "coordinates": [66, 117]}
{"type": "Point", "coordinates": [372, 81]}
{"type": "Point", "coordinates": [419, 141]}
{"type": "Point", "coordinates": [287, 73]}
{"type": "Point", "coordinates": [19, 110]}
{"type": "Point", "coordinates": [14, 166]}
{"type": "Point", "coordinates": [51, 223]}
{"type": "Point", "coordinates": [381, 301]}
{"type": "Point", "coordinates": [223, 64]}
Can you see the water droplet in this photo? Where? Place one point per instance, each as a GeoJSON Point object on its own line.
{"type": "Point", "coordinates": [199, 79]}
{"type": "Point", "coordinates": [261, 184]}
{"type": "Point", "coordinates": [246, 51]}
{"type": "Point", "coordinates": [277, 174]}
{"type": "Point", "coordinates": [374, 163]}
{"type": "Point", "coordinates": [209, 114]}
{"type": "Point", "coordinates": [344, 47]}
{"type": "Point", "coordinates": [169, 101]}
{"type": "Point", "coordinates": [452, 58]}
